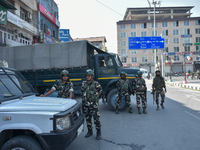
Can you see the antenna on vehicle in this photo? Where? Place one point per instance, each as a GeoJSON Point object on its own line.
{"type": "Point", "coordinates": [149, 3]}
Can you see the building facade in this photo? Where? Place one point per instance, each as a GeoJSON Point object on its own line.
{"type": "Point", "coordinates": [175, 24]}
{"type": "Point", "coordinates": [34, 21]}
{"type": "Point", "coordinates": [99, 42]}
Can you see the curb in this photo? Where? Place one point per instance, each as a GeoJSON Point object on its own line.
{"type": "Point", "coordinates": [184, 86]}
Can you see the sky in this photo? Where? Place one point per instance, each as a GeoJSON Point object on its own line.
{"type": "Point", "coordinates": [91, 18]}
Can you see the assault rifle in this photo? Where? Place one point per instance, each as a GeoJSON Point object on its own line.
{"type": "Point", "coordinates": [153, 92]}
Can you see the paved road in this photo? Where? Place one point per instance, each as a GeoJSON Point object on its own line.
{"type": "Point", "coordinates": [175, 128]}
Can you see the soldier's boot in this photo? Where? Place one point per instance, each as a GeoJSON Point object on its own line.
{"type": "Point", "coordinates": [144, 110]}
{"type": "Point", "coordinates": [130, 110]}
{"type": "Point", "coordinates": [116, 110]}
{"type": "Point", "coordinates": [157, 107]}
{"type": "Point", "coordinates": [98, 137]}
{"type": "Point", "coordinates": [139, 111]}
{"type": "Point", "coordinates": [162, 106]}
{"type": "Point", "coordinates": [90, 133]}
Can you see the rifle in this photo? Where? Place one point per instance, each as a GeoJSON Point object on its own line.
{"type": "Point", "coordinates": [146, 96]}
{"type": "Point", "coordinates": [120, 95]}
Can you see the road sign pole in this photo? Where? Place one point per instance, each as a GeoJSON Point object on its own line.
{"type": "Point", "coordinates": [163, 66]}
{"type": "Point", "coordinates": [155, 32]}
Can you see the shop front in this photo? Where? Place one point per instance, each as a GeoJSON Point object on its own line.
{"type": "Point", "coordinates": [196, 66]}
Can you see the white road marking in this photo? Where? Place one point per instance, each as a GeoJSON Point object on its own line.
{"type": "Point", "coordinates": [192, 115]}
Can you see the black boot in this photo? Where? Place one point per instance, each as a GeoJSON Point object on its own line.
{"type": "Point", "coordinates": [98, 137]}
{"type": "Point", "coordinates": [139, 111]}
{"type": "Point", "coordinates": [144, 110]}
{"type": "Point", "coordinates": [130, 110]}
{"type": "Point", "coordinates": [116, 110]}
{"type": "Point", "coordinates": [90, 133]}
{"type": "Point", "coordinates": [162, 106]}
{"type": "Point", "coordinates": [157, 107]}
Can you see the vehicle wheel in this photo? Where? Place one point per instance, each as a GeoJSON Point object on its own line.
{"type": "Point", "coordinates": [22, 142]}
{"type": "Point", "coordinates": [111, 100]}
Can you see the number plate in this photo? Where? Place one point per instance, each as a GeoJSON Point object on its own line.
{"type": "Point", "coordinates": [80, 129]}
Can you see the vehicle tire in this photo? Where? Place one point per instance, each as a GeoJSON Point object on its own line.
{"type": "Point", "coordinates": [111, 100]}
{"type": "Point", "coordinates": [22, 141]}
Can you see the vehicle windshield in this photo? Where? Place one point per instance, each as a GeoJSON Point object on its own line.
{"type": "Point", "coordinates": [13, 85]}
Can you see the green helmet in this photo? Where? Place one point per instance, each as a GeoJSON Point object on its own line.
{"type": "Point", "coordinates": [157, 71]}
{"type": "Point", "coordinates": [89, 72]}
{"type": "Point", "coordinates": [139, 73]}
{"type": "Point", "coordinates": [124, 73]}
{"type": "Point", "coordinates": [64, 72]}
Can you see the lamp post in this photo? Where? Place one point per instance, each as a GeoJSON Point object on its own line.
{"type": "Point", "coordinates": [155, 3]}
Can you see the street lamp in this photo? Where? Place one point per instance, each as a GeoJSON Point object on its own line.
{"type": "Point", "coordinates": [155, 3]}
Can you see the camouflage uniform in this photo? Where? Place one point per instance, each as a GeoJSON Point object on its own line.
{"type": "Point", "coordinates": [90, 101]}
{"type": "Point", "coordinates": [158, 85]}
{"type": "Point", "coordinates": [123, 88]}
{"type": "Point", "coordinates": [139, 86]}
{"type": "Point", "coordinates": [198, 74]}
{"type": "Point", "coordinates": [63, 89]}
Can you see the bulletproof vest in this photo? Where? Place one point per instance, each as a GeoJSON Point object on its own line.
{"type": "Point", "coordinates": [90, 92]}
{"type": "Point", "coordinates": [124, 84]}
{"type": "Point", "coordinates": [140, 84]}
{"type": "Point", "coordinates": [158, 82]}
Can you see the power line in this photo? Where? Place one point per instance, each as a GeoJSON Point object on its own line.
{"type": "Point", "coordinates": [109, 8]}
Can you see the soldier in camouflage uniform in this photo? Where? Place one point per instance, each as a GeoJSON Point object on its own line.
{"type": "Point", "coordinates": [198, 74]}
{"type": "Point", "coordinates": [64, 87]}
{"type": "Point", "coordinates": [139, 86]}
{"type": "Point", "coordinates": [91, 90]}
{"type": "Point", "coordinates": [123, 91]}
{"type": "Point", "coordinates": [157, 86]}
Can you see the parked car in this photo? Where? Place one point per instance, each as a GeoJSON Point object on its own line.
{"type": "Point", "coordinates": [145, 73]}
{"type": "Point", "coordinates": [39, 123]}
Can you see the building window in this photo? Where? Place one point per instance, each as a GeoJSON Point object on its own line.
{"type": "Point", "coordinates": [152, 33]}
{"type": "Point", "coordinates": [123, 59]}
{"type": "Point", "coordinates": [175, 40]}
{"type": "Point", "coordinates": [187, 31]}
{"type": "Point", "coordinates": [166, 50]}
{"type": "Point", "coordinates": [177, 58]}
{"type": "Point", "coordinates": [133, 51]}
{"type": "Point", "coordinates": [134, 59]}
{"type": "Point", "coordinates": [153, 51]}
{"type": "Point", "coordinates": [197, 39]}
{"type": "Point", "coordinates": [187, 48]}
{"type": "Point", "coordinates": [122, 26]}
{"type": "Point", "coordinates": [198, 48]}
{"type": "Point", "coordinates": [152, 25]}
{"type": "Point", "coordinates": [175, 24]}
{"type": "Point", "coordinates": [175, 32]}
{"type": "Point", "coordinates": [176, 49]}
{"type": "Point", "coordinates": [186, 40]}
{"type": "Point", "coordinates": [165, 32]}
{"type": "Point", "coordinates": [143, 33]}
{"type": "Point", "coordinates": [133, 26]}
{"type": "Point", "coordinates": [8, 36]}
{"type": "Point", "coordinates": [197, 30]}
{"type": "Point", "coordinates": [186, 23]}
{"type": "Point", "coordinates": [25, 15]}
{"type": "Point", "coordinates": [164, 24]}
{"type": "Point", "coordinates": [54, 33]}
{"type": "Point", "coordinates": [144, 51]}
{"type": "Point", "coordinates": [143, 25]}
{"type": "Point", "coordinates": [197, 22]}
{"type": "Point", "coordinates": [123, 35]}
{"type": "Point", "coordinates": [144, 59]}
{"type": "Point", "coordinates": [133, 34]}
{"type": "Point", "coordinates": [123, 43]}
{"type": "Point", "coordinates": [123, 51]}
{"type": "Point", "coordinates": [166, 41]}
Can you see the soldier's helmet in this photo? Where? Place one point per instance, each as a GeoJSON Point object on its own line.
{"type": "Point", "coordinates": [89, 72]}
{"type": "Point", "coordinates": [64, 72]}
{"type": "Point", "coordinates": [139, 73]}
{"type": "Point", "coordinates": [124, 73]}
{"type": "Point", "coordinates": [157, 71]}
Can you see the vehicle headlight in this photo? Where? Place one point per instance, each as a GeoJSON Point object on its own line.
{"type": "Point", "coordinates": [63, 123]}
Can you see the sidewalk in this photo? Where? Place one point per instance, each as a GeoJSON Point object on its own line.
{"type": "Point", "coordinates": [191, 84]}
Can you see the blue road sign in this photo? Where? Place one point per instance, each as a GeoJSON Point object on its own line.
{"type": "Point", "coordinates": [64, 35]}
{"type": "Point", "coordinates": [154, 42]}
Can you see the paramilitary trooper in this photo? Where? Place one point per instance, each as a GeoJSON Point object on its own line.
{"type": "Point", "coordinates": [157, 86]}
{"type": "Point", "coordinates": [91, 90]}
{"type": "Point", "coordinates": [139, 86]}
{"type": "Point", "coordinates": [64, 87]}
{"type": "Point", "coordinates": [123, 91]}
